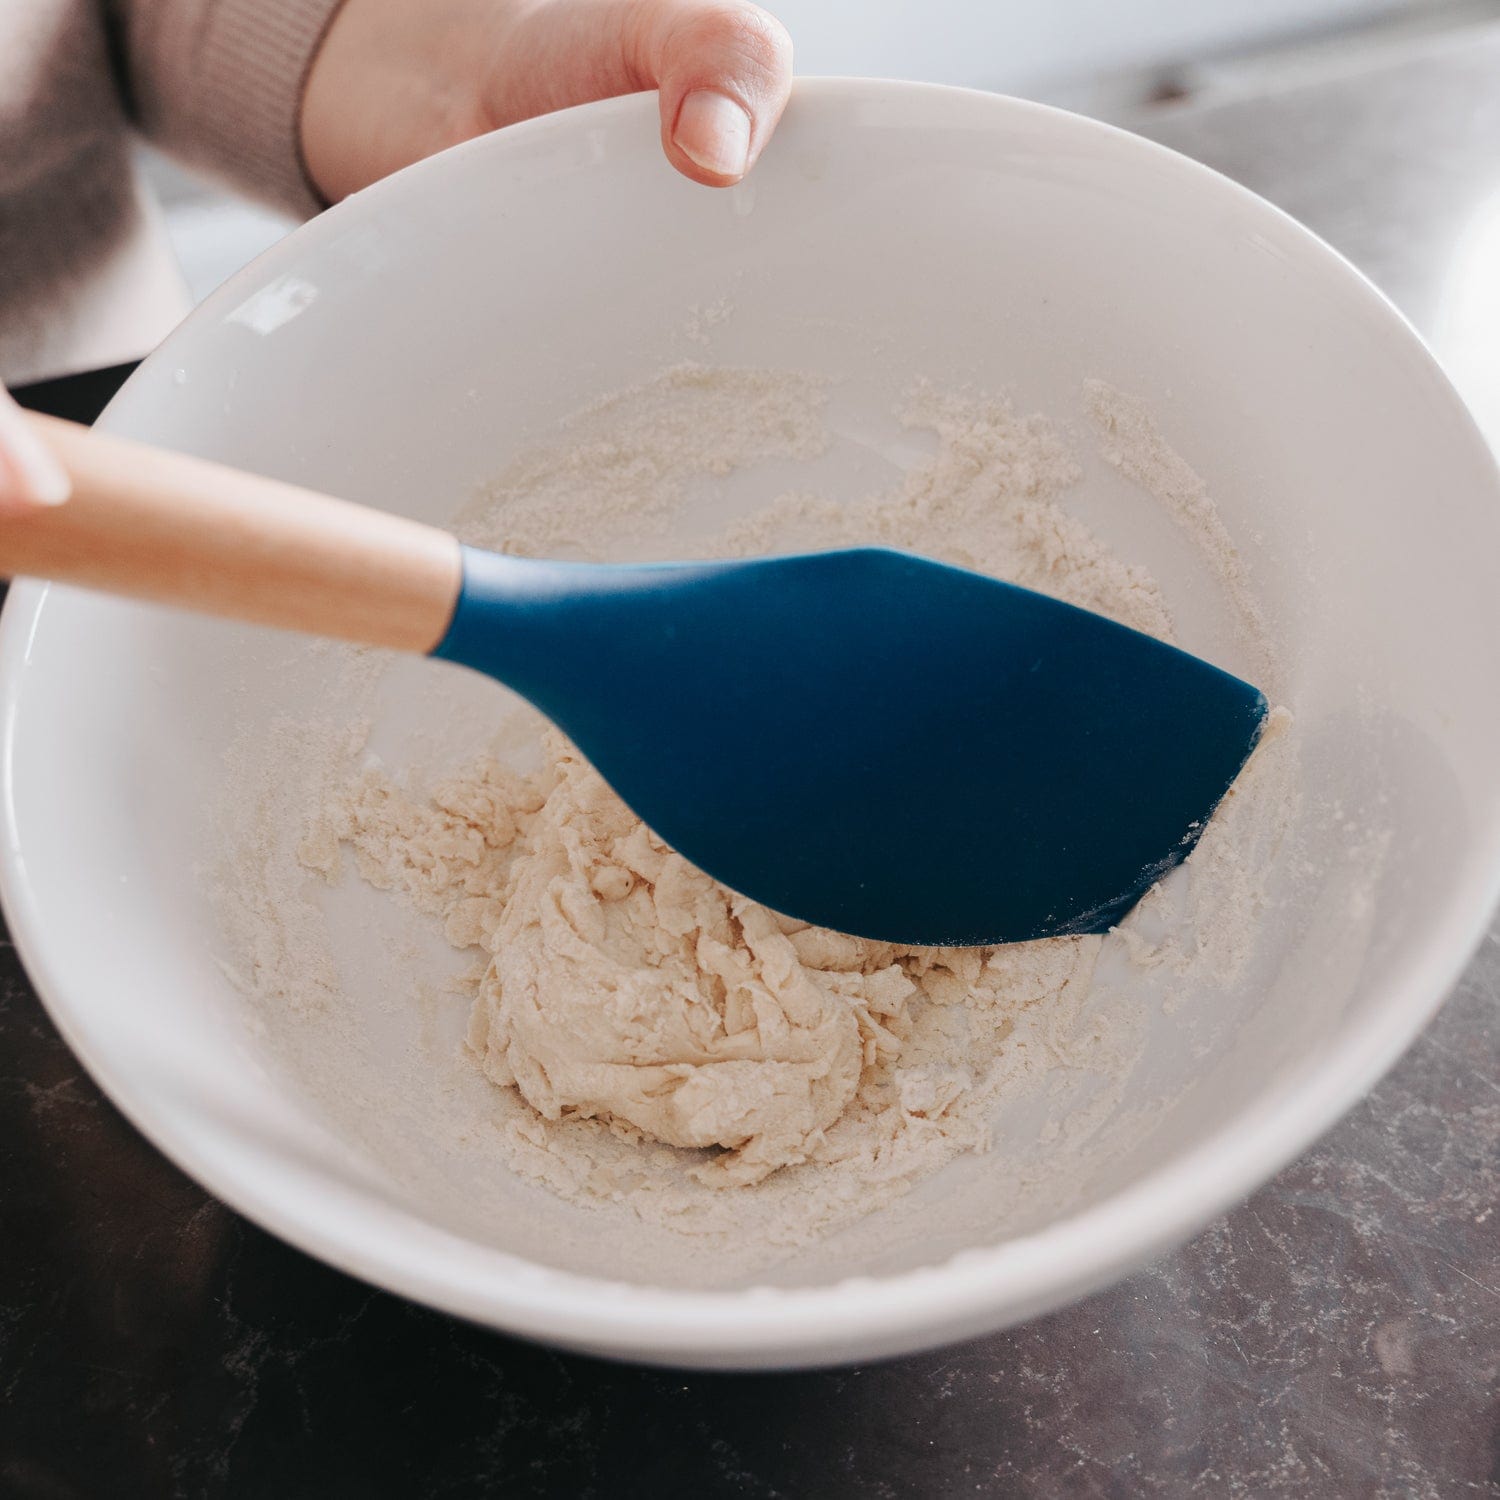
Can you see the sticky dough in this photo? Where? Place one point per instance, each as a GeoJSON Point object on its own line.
{"type": "Point", "coordinates": [626, 984]}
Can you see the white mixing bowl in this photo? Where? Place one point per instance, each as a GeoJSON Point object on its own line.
{"type": "Point", "coordinates": [400, 348]}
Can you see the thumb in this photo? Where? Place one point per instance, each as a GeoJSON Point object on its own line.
{"type": "Point", "coordinates": [29, 475]}
{"type": "Point", "coordinates": [724, 70]}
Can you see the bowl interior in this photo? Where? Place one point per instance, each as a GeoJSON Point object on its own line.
{"type": "Point", "coordinates": [402, 349]}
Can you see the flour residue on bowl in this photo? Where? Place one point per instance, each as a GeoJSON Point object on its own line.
{"type": "Point", "coordinates": [657, 1042]}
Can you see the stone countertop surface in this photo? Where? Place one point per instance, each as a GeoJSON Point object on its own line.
{"type": "Point", "coordinates": [1338, 1335]}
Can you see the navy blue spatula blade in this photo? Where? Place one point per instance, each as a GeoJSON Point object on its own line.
{"type": "Point", "coordinates": [870, 740]}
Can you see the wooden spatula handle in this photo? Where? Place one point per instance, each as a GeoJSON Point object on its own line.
{"type": "Point", "coordinates": [157, 525]}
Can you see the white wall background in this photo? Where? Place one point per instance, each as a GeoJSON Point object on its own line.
{"type": "Point", "coordinates": [1099, 56]}
{"type": "Point", "coordinates": [1027, 45]}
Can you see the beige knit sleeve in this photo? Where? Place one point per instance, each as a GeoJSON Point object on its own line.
{"type": "Point", "coordinates": [219, 83]}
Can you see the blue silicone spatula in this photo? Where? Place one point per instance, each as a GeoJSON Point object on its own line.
{"type": "Point", "coordinates": [864, 739]}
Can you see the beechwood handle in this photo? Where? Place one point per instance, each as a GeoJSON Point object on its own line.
{"type": "Point", "coordinates": [156, 525]}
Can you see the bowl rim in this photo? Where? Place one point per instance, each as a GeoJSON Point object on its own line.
{"type": "Point", "coordinates": [974, 1291]}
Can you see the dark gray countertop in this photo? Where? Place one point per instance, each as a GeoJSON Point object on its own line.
{"type": "Point", "coordinates": [1338, 1335]}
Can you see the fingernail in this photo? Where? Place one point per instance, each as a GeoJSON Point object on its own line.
{"type": "Point", "coordinates": [33, 474]}
{"type": "Point", "coordinates": [713, 132]}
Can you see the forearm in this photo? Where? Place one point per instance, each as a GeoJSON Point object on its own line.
{"type": "Point", "coordinates": [220, 84]}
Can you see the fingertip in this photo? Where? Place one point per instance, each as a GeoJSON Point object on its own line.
{"type": "Point", "coordinates": [713, 132]}
{"type": "Point", "coordinates": [30, 476]}
{"type": "Point", "coordinates": [50, 486]}
{"type": "Point", "coordinates": [20, 499]}
{"type": "Point", "coordinates": [724, 71]}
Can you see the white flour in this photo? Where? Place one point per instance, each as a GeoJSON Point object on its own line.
{"type": "Point", "coordinates": [653, 1042]}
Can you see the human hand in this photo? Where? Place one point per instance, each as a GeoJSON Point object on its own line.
{"type": "Point", "coordinates": [29, 475]}
{"type": "Point", "coordinates": [396, 80]}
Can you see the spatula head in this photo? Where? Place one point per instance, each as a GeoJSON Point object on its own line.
{"type": "Point", "coordinates": [870, 740]}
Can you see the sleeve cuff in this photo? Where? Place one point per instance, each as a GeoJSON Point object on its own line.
{"type": "Point", "coordinates": [220, 83]}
